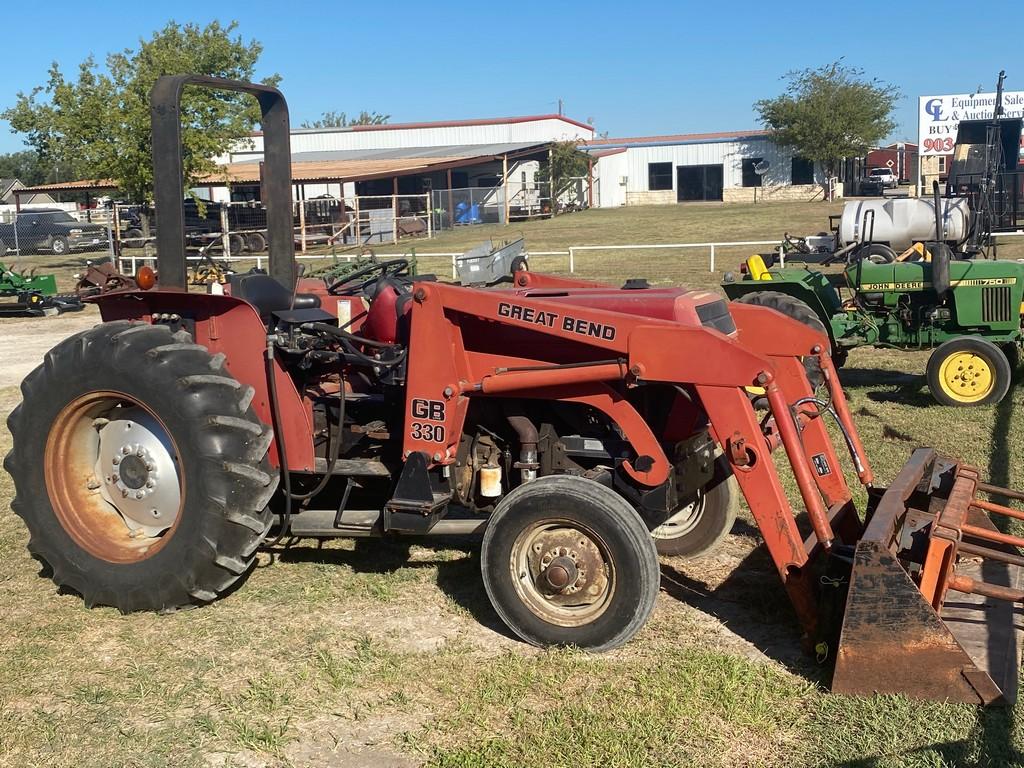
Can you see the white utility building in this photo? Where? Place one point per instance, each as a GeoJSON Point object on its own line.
{"type": "Point", "coordinates": [738, 166]}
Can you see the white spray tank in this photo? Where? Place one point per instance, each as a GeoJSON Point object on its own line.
{"type": "Point", "coordinates": [900, 222]}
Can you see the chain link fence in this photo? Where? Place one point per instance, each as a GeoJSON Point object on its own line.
{"type": "Point", "coordinates": [516, 201]}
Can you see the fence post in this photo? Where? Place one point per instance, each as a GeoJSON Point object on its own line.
{"type": "Point", "coordinates": [782, 256]}
{"type": "Point", "coordinates": [358, 228]}
{"type": "Point", "coordinates": [115, 249]}
{"type": "Point", "coordinates": [225, 235]}
{"type": "Point", "coordinates": [302, 225]}
{"type": "Point", "coordinates": [455, 270]}
{"type": "Point", "coordinates": [712, 257]}
{"type": "Point", "coordinates": [394, 215]}
{"type": "Point", "coordinates": [572, 260]}
{"type": "Point", "coordinates": [17, 246]}
{"type": "Point", "coordinates": [430, 219]}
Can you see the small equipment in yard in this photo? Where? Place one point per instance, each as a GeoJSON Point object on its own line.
{"type": "Point", "coordinates": [579, 427]}
{"type": "Point", "coordinates": [33, 295]}
{"type": "Point", "coordinates": [487, 264]}
{"type": "Point", "coordinates": [208, 271]}
{"type": "Point", "coordinates": [939, 293]}
{"type": "Point", "coordinates": [103, 277]}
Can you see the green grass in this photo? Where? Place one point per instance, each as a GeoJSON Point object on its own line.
{"type": "Point", "coordinates": [376, 651]}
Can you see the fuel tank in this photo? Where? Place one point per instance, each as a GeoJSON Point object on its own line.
{"type": "Point", "coordinates": [900, 222]}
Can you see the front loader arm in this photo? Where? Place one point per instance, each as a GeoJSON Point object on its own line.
{"type": "Point", "coordinates": [628, 350]}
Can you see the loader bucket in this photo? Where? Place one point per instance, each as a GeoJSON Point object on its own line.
{"type": "Point", "coordinates": [931, 608]}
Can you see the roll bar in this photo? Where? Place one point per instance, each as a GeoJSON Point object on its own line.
{"type": "Point", "coordinates": [169, 188]}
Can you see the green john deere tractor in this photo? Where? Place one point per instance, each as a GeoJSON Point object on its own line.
{"type": "Point", "coordinates": [967, 310]}
{"type": "Point", "coordinates": [916, 274]}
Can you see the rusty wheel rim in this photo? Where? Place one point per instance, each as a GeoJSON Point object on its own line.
{"type": "Point", "coordinates": [113, 477]}
{"type": "Point", "coordinates": [562, 571]}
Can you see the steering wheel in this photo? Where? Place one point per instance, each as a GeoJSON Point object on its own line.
{"type": "Point", "coordinates": [356, 281]}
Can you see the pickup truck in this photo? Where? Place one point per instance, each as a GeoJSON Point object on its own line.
{"type": "Point", "coordinates": [877, 181]}
{"type": "Point", "coordinates": [50, 229]}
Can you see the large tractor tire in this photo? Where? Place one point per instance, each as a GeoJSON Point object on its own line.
{"type": "Point", "coordinates": [798, 310]}
{"type": "Point", "coordinates": [567, 561]}
{"type": "Point", "coordinates": [700, 526]}
{"type": "Point", "coordinates": [968, 371]}
{"type": "Point", "coordinates": [140, 468]}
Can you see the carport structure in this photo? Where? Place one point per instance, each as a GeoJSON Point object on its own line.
{"type": "Point", "coordinates": [382, 172]}
{"type": "Point", "coordinates": [88, 187]}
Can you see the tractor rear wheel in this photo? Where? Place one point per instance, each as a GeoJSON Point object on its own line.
{"type": "Point", "coordinates": [567, 561]}
{"type": "Point", "coordinates": [968, 371]}
{"type": "Point", "coordinates": [797, 309]}
{"type": "Point", "coordinates": [700, 526]}
{"type": "Point", "coordinates": [140, 468]}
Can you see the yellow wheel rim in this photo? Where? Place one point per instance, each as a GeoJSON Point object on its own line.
{"type": "Point", "coordinates": [966, 377]}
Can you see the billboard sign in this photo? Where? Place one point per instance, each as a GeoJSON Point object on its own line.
{"type": "Point", "coordinates": [939, 116]}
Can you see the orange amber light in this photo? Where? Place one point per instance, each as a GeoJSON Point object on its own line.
{"type": "Point", "coordinates": [145, 277]}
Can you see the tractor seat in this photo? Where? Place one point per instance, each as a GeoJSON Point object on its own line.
{"type": "Point", "coordinates": [269, 296]}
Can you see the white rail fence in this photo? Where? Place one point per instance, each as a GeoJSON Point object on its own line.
{"type": "Point", "coordinates": [570, 254]}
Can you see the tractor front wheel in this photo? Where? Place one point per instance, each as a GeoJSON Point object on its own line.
{"type": "Point", "coordinates": [699, 527]}
{"type": "Point", "coordinates": [567, 561]}
{"type": "Point", "coordinates": [968, 371]}
{"type": "Point", "coordinates": [140, 468]}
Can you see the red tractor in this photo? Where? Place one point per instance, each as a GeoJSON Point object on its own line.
{"type": "Point", "coordinates": [580, 427]}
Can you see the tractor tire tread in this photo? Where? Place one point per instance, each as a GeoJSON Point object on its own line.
{"type": "Point", "coordinates": [229, 518]}
{"type": "Point", "coordinates": [624, 523]}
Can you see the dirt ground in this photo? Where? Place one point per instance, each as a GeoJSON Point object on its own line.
{"type": "Point", "coordinates": [26, 340]}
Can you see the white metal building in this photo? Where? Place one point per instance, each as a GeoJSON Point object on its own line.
{"type": "Point", "coordinates": [535, 129]}
{"type": "Point", "coordinates": [409, 158]}
{"type": "Point", "coordinates": [740, 166]}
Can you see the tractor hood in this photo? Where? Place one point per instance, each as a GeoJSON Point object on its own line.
{"type": "Point", "coordinates": [680, 305]}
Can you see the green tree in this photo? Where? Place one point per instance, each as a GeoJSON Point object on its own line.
{"type": "Point", "coordinates": [97, 124]}
{"type": "Point", "coordinates": [567, 163]}
{"type": "Point", "coordinates": [830, 113]}
{"type": "Point", "coordinates": [24, 166]}
{"type": "Point", "coordinates": [340, 120]}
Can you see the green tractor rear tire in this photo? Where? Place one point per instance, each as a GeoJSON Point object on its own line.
{"type": "Point", "coordinates": [793, 307]}
{"type": "Point", "coordinates": [968, 371]}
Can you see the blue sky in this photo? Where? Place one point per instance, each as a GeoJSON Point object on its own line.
{"type": "Point", "coordinates": [636, 68]}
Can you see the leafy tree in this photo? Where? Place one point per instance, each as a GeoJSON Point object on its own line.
{"type": "Point", "coordinates": [340, 120]}
{"type": "Point", "coordinates": [568, 162]}
{"type": "Point", "coordinates": [830, 113]}
{"type": "Point", "coordinates": [24, 166]}
{"type": "Point", "coordinates": [97, 124]}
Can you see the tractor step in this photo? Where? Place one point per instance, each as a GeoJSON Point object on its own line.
{"type": "Point", "coordinates": [353, 523]}
{"type": "Point", "coordinates": [353, 468]}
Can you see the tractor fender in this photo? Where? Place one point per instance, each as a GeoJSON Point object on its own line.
{"type": "Point", "coordinates": [231, 327]}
